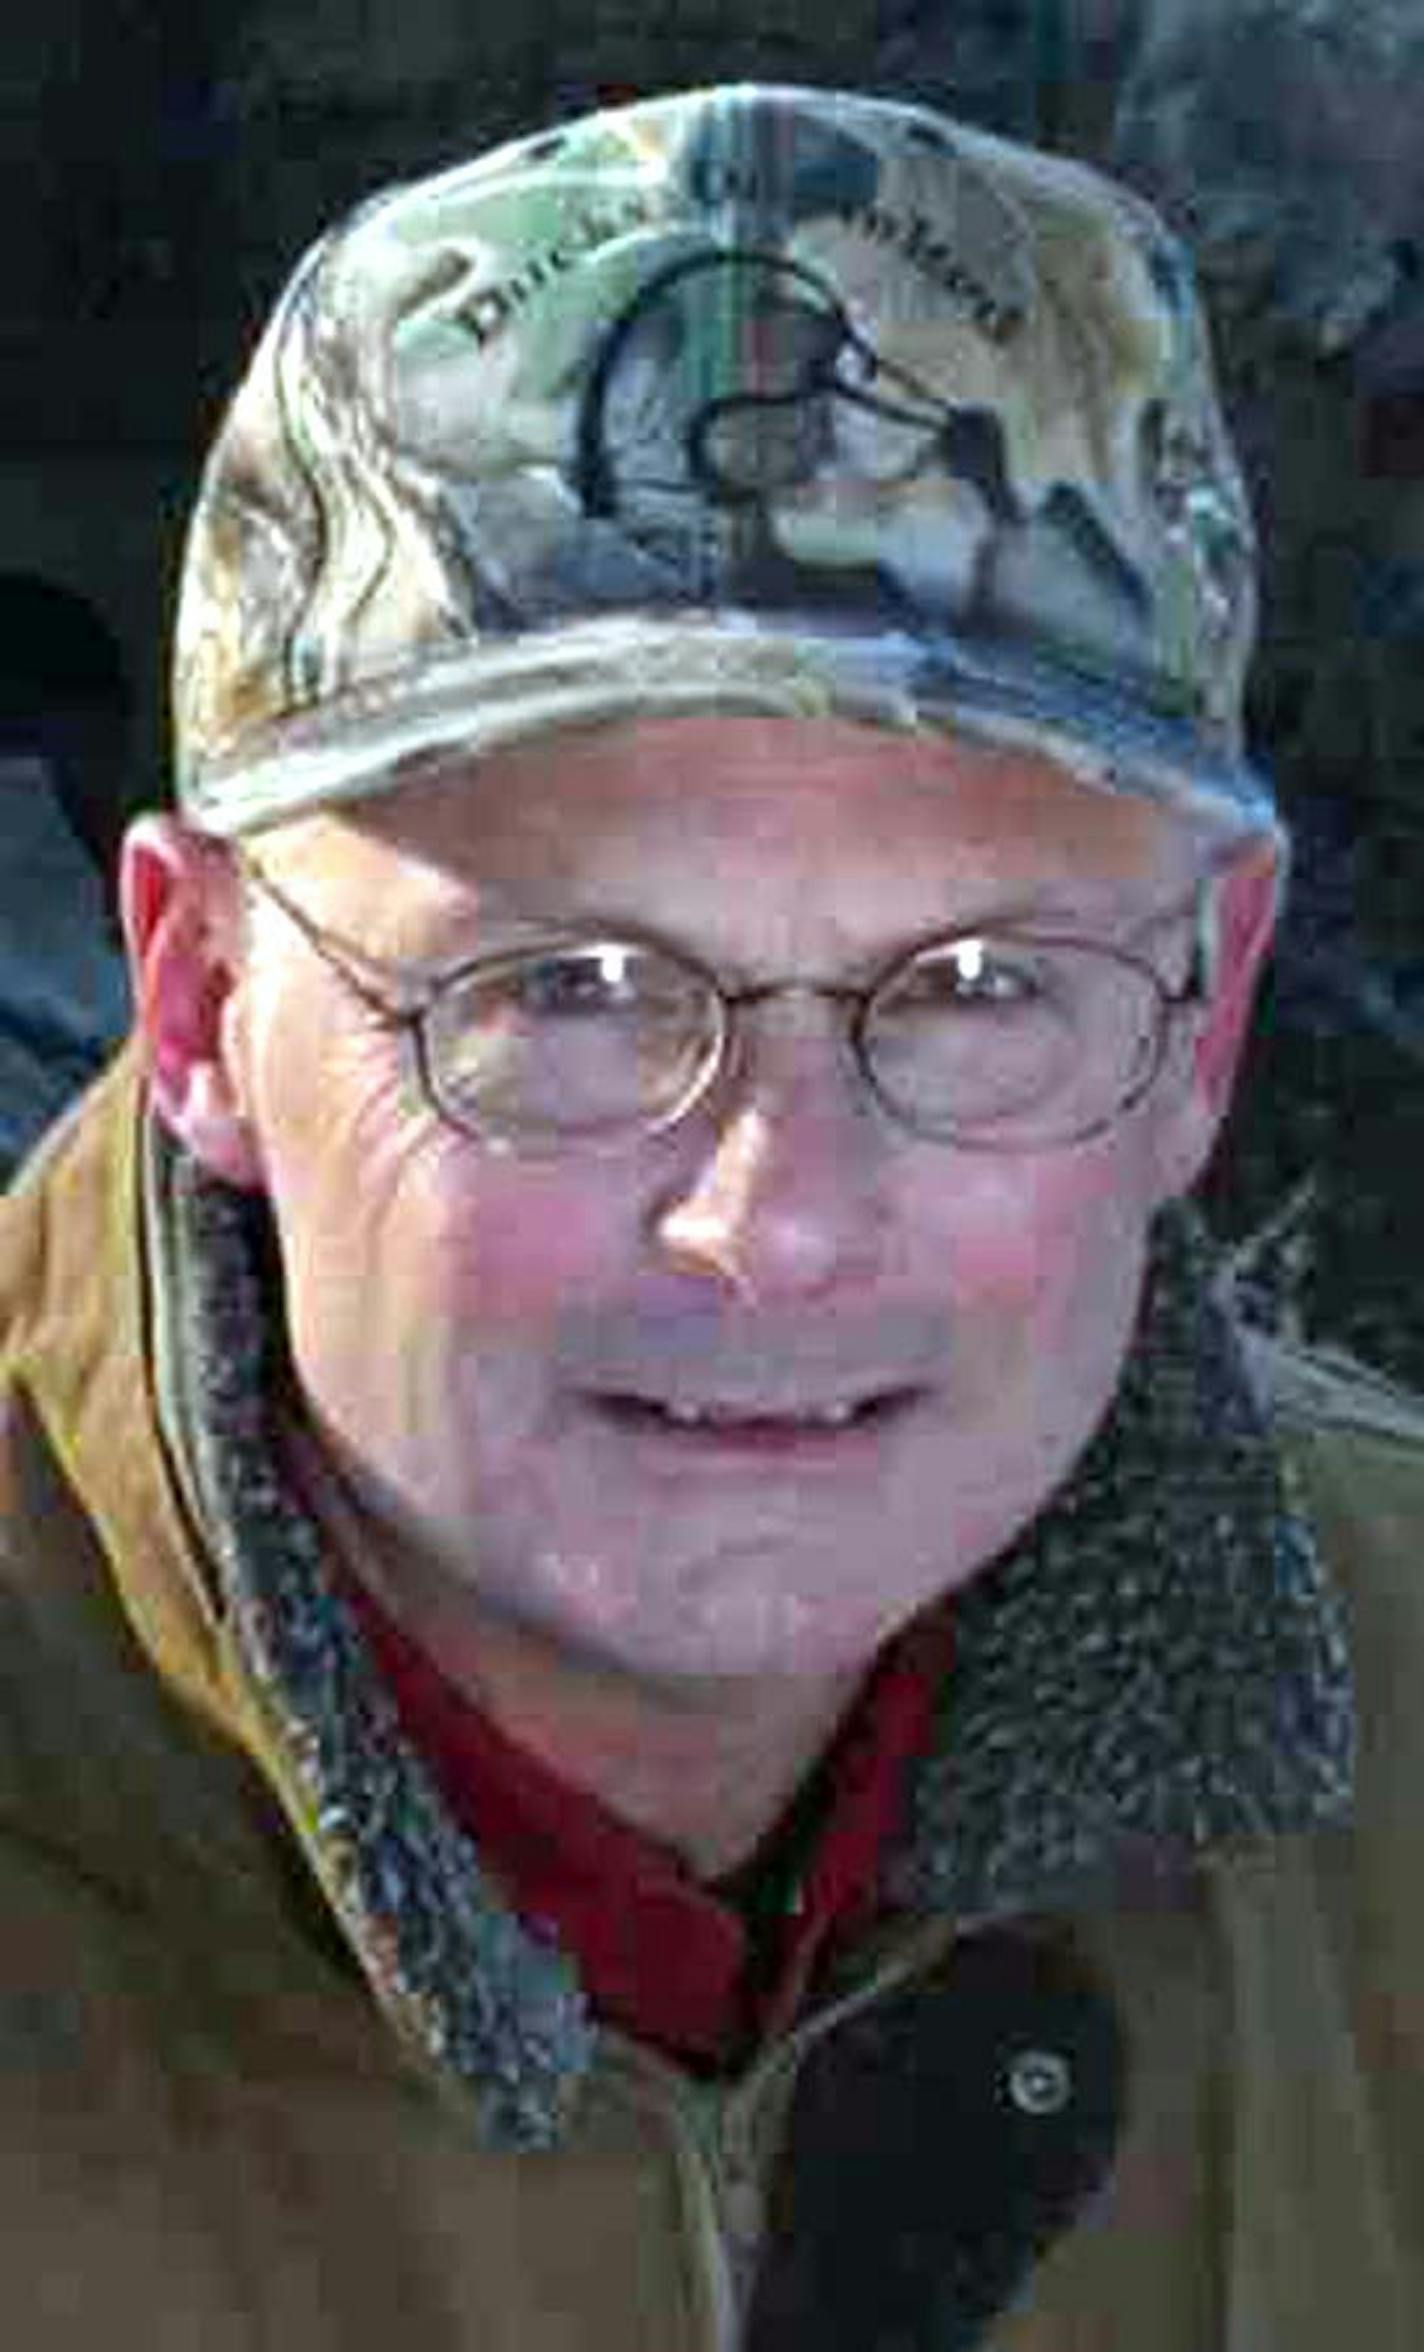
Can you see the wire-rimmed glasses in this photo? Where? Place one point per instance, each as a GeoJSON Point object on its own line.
{"type": "Point", "coordinates": [1009, 1037]}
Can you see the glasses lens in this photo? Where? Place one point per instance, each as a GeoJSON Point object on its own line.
{"type": "Point", "coordinates": [571, 1042]}
{"type": "Point", "coordinates": [1012, 1041]}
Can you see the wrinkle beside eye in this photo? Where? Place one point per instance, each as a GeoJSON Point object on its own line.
{"type": "Point", "coordinates": [374, 1111]}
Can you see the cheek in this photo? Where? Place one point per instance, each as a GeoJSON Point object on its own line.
{"type": "Point", "coordinates": [348, 1163]}
{"type": "Point", "coordinates": [1036, 1246]}
{"type": "Point", "coordinates": [511, 1248]}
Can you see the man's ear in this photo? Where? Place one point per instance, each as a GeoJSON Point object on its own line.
{"type": "Point", "coordinates": [177, 903]}
{"type": "Point", "coordinates": [1247, 900]}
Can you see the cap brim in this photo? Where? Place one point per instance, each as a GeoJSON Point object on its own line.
{"type": "Point", "coordinates": [472, 701]}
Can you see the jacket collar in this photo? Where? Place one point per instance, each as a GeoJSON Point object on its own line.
{"type": "Point", "coordinates": [1156, 1669]}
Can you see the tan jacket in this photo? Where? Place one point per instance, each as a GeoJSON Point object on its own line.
{"type": "Point", "coordinates": [211, 2135]}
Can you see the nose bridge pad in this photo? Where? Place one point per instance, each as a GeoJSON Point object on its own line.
{"type": "Point", "coordinates": [805, 1014]}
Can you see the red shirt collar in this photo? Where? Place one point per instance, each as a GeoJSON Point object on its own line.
{"type": "Point", "coordinates": [701, 1972]}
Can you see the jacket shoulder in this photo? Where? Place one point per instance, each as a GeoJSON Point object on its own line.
{"type": "Point", "coordinates": [1351, 1443]}
{"type": "Point", "coordinates": [1313, 1390]}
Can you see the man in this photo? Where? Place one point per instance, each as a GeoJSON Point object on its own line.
{"type": "Point", "coordinates": [667, 1683]}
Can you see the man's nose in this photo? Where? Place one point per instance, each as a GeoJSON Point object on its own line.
{"type": "Point", "coordinates": [788, 1197]}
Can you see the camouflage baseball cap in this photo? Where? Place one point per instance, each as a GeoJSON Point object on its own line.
{"type": "Point", "coordinates": [752, 398]}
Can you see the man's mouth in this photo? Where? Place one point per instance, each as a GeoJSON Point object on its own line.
{"type": "Point", "coordinates": [708, 1426]}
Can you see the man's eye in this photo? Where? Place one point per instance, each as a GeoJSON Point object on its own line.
{"type": "Point", "coordinates": [969, 978]}
{"type": "Point", "coordinates": [572, 986]}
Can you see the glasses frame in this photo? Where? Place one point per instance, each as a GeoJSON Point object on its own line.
{"type": "Point", "coordinates": [370, 979]}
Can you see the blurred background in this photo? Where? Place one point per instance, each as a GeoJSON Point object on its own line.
{"type": "Point", "coordinates": [167, 163]}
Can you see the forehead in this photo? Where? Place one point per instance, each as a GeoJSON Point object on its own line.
{"type": "Point", "coordinates": [681, 816]}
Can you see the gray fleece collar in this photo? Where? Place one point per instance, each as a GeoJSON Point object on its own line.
{"type": "Point", "coordinates": [1158, 1666]}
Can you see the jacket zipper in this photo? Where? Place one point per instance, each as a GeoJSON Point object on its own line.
{"type": "Point", "coordinates": [713, 2134]}
{"type": "Point", "coordinates": [687, 2112]}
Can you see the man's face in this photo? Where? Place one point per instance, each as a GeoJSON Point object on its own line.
{"type": "Point", "coordinates": [461, 1322]}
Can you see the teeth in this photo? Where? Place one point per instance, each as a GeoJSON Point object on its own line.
{"type": "Point", "coordinates": [693, 1416]}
